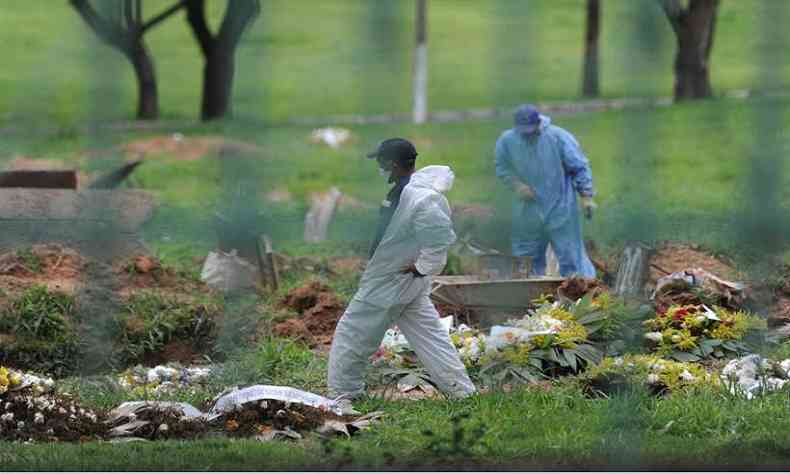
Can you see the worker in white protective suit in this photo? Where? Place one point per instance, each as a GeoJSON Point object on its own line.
{"type": "Point", "coordinates": [411, 245]}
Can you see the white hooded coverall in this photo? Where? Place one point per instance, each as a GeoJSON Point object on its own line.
{"type": "Point", "coordinates": [419, 233]}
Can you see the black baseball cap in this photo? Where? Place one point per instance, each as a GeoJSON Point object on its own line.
{"type": "Point", "coordinates": [395, 149]}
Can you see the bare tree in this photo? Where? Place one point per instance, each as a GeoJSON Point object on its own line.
{"type": "Point", "coordinates": [590, 86]}
{"type": "Point", "coordinates": [122, 27]}
{"type": "Point", "coordinates": [694, 28]}
{"type": "Point", "coordinates": [219, 50]}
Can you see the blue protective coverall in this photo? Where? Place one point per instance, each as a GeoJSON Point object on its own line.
{"type": "Point", "coordinates": [551, 162]}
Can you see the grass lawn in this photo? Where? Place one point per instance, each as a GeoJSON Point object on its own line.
{"type": "Point", "coordinates": [303, 58]}
{"type": "Point", "coordinates": [529, 428]}
{"type": "Point", "coordinates": [687, 169]}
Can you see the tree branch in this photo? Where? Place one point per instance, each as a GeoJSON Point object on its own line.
{"type": "Point", "coordinates": [128, 15]}
{"type": "Point", "coordinates": [196, 16]}
{"type": "Point", "coordinates": [238, 16]}
{"type": "Point", "coordinates": [674, 11]}
{"type": "Point", "coordinates": [162, 16]}
{"type": "Point", "coordinates": [109, 32]}
{"type": "Point", "coordinates": [138, 12]}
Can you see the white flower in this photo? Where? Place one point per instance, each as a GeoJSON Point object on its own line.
{"type": "Point", "coordinates": [7, 417]}
{"type": "Point", "coordinates": [687, 376]}
{"type": "Point", "coordinates": [654, 336]}
{"type": "Point", "coordinates": [92, 417]}
{"type": "Point", "coordinates": [785, 365]}
{"type": "Point", "coordinates": [618, 362]}
{"type": "Point", "coordinates": [38, 418]}
{"type": "Point", "coordinates": [653, 379]}
{"type": "Point", "coordinates": [20, 424]}
{"type": "Point", "coordinates": [7, 406]}
{"type": "Point", "coordinates": [163, 427]}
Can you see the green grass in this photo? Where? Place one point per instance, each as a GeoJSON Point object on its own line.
{"type": "Point", "coordinates": [528, 427]}
{"type": "Point", "coordinates": [687, 168]}
{"type": "Point", "coordinates": [345, 56]}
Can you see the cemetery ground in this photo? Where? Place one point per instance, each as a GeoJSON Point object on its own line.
{"type": "Point", "coordinates": [553, 424]}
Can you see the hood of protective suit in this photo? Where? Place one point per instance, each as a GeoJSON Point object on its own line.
{"type": "Point", "coordinates": [436, 177]}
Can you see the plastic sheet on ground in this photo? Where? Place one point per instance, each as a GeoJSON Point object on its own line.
{"type": "Point", "coordinates": [729, 291]}
{"type": "Point", "coordinates": [127, 422]}
{"type": "Point", "coordinates": [131, 409]}
{"type": "Point", "coordinates": [330, 136]}
{"type": "Point", "coordinates": [238, 397]}
{"type": "Point", "coordinates": [228, 272]}
{"type": "Point", "coordinates": [335, 427]}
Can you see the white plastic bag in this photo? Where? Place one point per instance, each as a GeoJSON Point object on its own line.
{"type": "Point", "coordinates": [228, 272]}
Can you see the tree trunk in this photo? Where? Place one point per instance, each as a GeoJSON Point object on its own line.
{"type": "Point", "coordinates": [217, 84]}
{"type": "Point", "coordinates": [590, 80]}
{"type": "Point", "coordinates": [695, 41]}
{"type": "Point", "coordinates": [147, 93]}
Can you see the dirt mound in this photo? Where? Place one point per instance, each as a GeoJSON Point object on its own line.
{"type": "Point", "coordinates": [64, 269]}
{"type": "Point", "coordinates": [674, 257]}
{"type": "Point", "coordinates": [575, 288]}
{"type": "Point", "coordinates": [47, 417]}
{"type": "Point", "coordinates": [186, 148]}
{"type": "Point", "coordinates": [347, 264]}
{"type": "Point", "coordinates": [320, 309]}
{"type": "Point", "coordinates": [53, 265]}
{"type": "Point", "coordinates": [144, 271]}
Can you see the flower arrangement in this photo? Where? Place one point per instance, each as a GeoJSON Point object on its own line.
{"type": "Point", "coordinates": [693, 332]}
{"type": "Point", "coordinates": [657, 373]}
{"type": "Point", "coordinates": [161, 379]}
{"type": "Point", "coordinates": [8, 379]}
{"type": "Point", "coordinates": [12, 380]}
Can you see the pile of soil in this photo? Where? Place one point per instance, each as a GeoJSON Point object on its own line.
{"type": "Point", "coordinates": [575, 288]}
{"type": "Point", "coordinates": [320, 310]}
{"type": "Point", "coordinates": [258, 418]}
{"type": "Point", "coordinates": [63, 269]}
{"type": "Point", "coordinates": [144, 271]}
{"type": "Point", "coordinates": [673, 257]}
{"type": "Point", "coordinates": [167, 423]}
{"type": "Point", "coordinates": [781, 311]}
{"type": "Point", "coordinates": [28, 417]}
{"type": "Point", "coordinates": [53, 265]}
{"type": "Point", "coordinates": [186, 148]}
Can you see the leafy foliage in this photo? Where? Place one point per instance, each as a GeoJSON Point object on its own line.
{"type": "Point", "coordinates": [41, 331]}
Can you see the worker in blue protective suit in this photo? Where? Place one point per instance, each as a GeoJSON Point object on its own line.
{"type": "Point", "coordinates": [545, 168]}
{"type": "Point", "coordinates": [411, 245]}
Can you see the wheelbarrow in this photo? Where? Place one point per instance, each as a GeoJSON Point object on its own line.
{"type": "Point", "coordinates": [487, 302]}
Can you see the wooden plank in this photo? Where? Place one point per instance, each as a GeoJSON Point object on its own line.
{"type": "Point", "coordinates": [49, 179]}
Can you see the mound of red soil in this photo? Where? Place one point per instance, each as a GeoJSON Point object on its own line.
{"type": "Point", "coordinates": [53, 265]}
{"type": "Point", "coordinates": [186, 148]}
{"type": "Point", "coordinates": [320, 311]}
{"type": "Point", "coordinates": [675, 257]}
